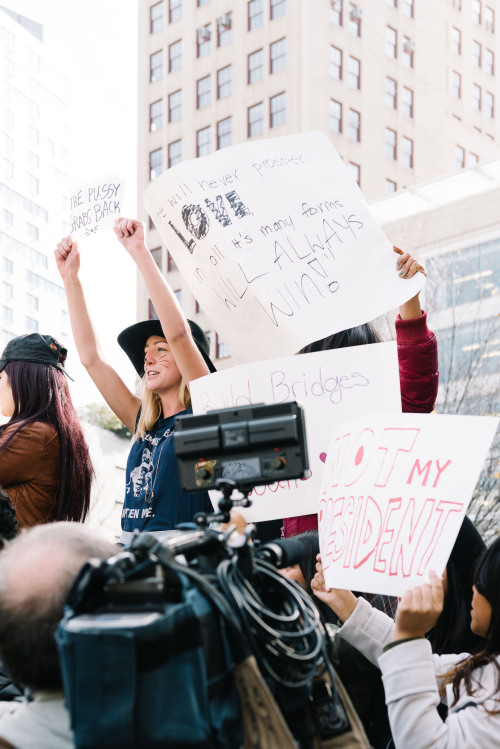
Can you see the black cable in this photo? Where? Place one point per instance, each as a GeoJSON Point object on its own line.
{"type": "Point", "coordinates": [279, 619]}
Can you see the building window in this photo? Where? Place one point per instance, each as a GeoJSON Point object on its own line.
{"type": "Point", "coordinates": [489, 104]}
{"type": "Point", "coordinates": [456, 85]}
{"type": "Point", "coordinates": [224, 133]}
{"type": "Point", "coordinates": [456, 41]}
{"type": "Point", "coordinates": [151, 311]}
{"type": "Point", "coordinates": [355, 172]}
{"type": "Point", "coordinates": [170, 263]}
{"type": "Point", "coordinates": [31, 324]}
{"type": "Point", "coordinates": [408, 55]}
{"type": "Point", "coordinates": [174, 10]}
{"type": "Point", "coordinates": [201, 3]}
{"type": "Point", "coordinates": [391, 151]}
{"type": "Point", "coordinates": [33, 184]}
{"type": "Point", "coordinates": [335, 116]}
{"type": "Point", "coordinates": [178, 296]}
{"type": "Point", "coordinates": [407, 152]}
{"type": "Point", "coordinates": [476, 54]}
{"type": "Point", "coordinates": [407, 102]}
{"type": "Point", "coordinates": [278, 56]}
{"type": "Point", "coordinates": [203, 41]}
{"type": "Point", "coordinates": [8, 266]}
{"type": "Point", "coordinates": [354, 73]}
{"type": "Point", "coordinates": [473, 159]}
{"type": "Point", "coordinates": [155, 163]}
{"type": "Point", "coordinates": [489, 62]}
{"type": "Point", "coordinates": [336, 12]}
{"type": "Point", "coordinates": [8, 169]}
{"type": "Point", "coordinates": [277, 110]}
{"type": "Point", "coordinates": [459, 157]}
{"type": "Point", "coordinates": [391, 93]}
{"type": "Point", "coordinates": [8, 217]}
{"type": "Point", "coordinates": [392, 3]}
{"type": "Point", "coordinates": [221, 350]}
{"type": "Point", "coordinates": [407, 8]}
{"type": "Point", "coordinates": [256, 66]}
{"type": "Point", "coordinates": [355, 13]}
{"type": "Point", "coordinates": [255, 14]}
{"type": "Point", "coordinates": [156, 66]}
{"type": "Point", "coordinates": [203, 92]}
{"type": "Point", "coordinates": [32, 302]}
{"type": "Point", "coordinates": [156, 115]}
{"type": "Point", "coordinates": [336, 63]}
{"type": "Point", "coordinates": [7, 314]}
{"type": "Point", "coordinates": [174, 153]}
{"type": "Point", "coordinates": [255, 120]}
{"type": "Point", "coordinates": [476, 97]}
{"type": "Point", "coordinates": [225, 82]}
{"type": "Point", "coordinates": [33, 135]}
{"type": "Point", "coordinates": [391, 42]}
{"type": "Point", "coordinates": [203, 142]}
{"type": "Point", "coordinates": [156, 255]}
{"type": "Point", "coordinates": [32, 231]}
{"type": "Point", "coordinates": [476, 11]}
{"type": "Point", "coordinates": [224, 29]}
{"type": "Point", "coordinates": [8, 291]}
{"type": "Point", "coordinates": [278, 8]}
{"type": "Point", "coordinates": [156, 18]}
{"type": "Point", "coordinates": [354, 126]}
{"type": "Point", "coordinates": [175, 106]}
{"type": "Point", "coordinates": [390, 187]}
{"type": "Point", "coordinates": [197, 307]}
{"type": "Point", "coordinates": [175, 56]}
{"type": "Point", "coordinates": [489, 19]}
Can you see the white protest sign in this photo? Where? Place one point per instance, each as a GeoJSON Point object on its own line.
{"type": "Point", "coordinates": [331, 386]}
{"type": "Point", "coordinates": [95, 206]}
{"type": "Point", "coordinates": [395, 491]}
{"type": "Point", "coordinates": [277, 244]}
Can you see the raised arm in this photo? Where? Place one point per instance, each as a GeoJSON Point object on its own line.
{"type": "Point", "coordinates": [112, 388]}
{"type": "Point", "coordinates": [417, 347]}
{"type": "Point", "coordinates": [130, 233]}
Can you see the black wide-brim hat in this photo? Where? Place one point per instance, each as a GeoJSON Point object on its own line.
{"type": "Point", "coordinates": [133, 341]}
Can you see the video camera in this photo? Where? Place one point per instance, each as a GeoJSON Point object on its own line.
{"type": "Point", "coordinates": [155, 639]}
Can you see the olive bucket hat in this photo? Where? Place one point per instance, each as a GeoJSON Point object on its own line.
{"type": "Point", "coordinates": [33, 347]}
{"type": "Point", "coordinates": [133, 340]}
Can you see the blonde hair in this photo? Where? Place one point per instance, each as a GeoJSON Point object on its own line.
{"type": "Point", "coordinates": [151, 409]}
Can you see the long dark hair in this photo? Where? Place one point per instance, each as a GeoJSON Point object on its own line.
{"type": "Point", "coordinates": [40, 393]}
{"type": "Point", "coordinates": [487, 583]}
{"type": "Point", "coordinates": [452, 632]}
{"type": "Point", "coordinates": [357, 336]}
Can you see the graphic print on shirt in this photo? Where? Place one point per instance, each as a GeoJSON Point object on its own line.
{"type": "Point", "coordinates": [140, 476]}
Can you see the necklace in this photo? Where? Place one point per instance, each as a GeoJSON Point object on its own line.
{"type": "Point", "coordinates": [150, 495]}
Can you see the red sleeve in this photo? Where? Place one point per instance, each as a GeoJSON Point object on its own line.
{"type": "Point", "coordinates": [418, 364]}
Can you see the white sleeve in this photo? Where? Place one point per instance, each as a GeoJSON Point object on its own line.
{"type": "Point", "coordinates": [411, 692]}
{"type": "Point", "coordinates": [368, 630]}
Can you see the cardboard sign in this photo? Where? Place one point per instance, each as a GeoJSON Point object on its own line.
{"type": "Point", "coordinates": [395, 491]}
{"type": "Point", "coordinates": [95, 206]}
{"type": "Point", "coordinates": [331, 385]}
{"type": "Point", "coordinates": [276, 242]}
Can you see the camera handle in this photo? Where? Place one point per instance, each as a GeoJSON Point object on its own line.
{"type": "Point", "coordinates": [226, 503]}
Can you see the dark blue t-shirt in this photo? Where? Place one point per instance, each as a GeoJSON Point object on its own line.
{"type": "Point", "coordinates": [154, 500]}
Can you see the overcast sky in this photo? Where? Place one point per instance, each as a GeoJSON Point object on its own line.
{"type": "Point", "coordinates": [96, 41]}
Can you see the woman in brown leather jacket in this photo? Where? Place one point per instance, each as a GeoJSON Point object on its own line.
{"type": "Point", "coordinates": [45, 466]}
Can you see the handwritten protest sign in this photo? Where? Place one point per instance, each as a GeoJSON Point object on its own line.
{"type": "Point", "coordinates": [95, 206]}
{"type": "Point", "coordinates": [394, 494]}
{"type": "Point", "coordinates": [277, 244]}
{"type": "Point", "coordinates": [331, 385]}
